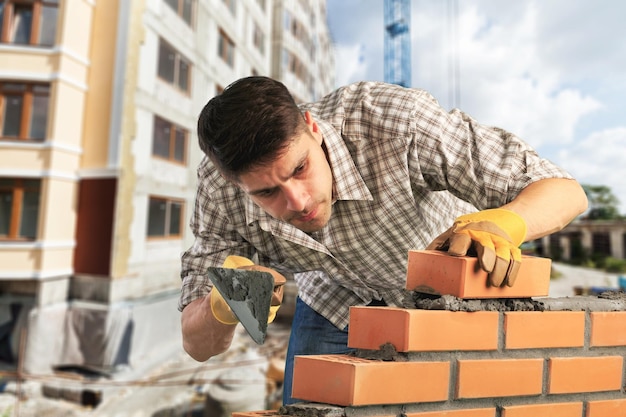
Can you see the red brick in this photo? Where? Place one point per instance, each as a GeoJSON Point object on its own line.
{"type": "Point", "coordinates": [544, 410]}
{"type": "Point", "coordinates": [569, 375]}
{"type": "Point", "coordinates": [262, 413]}
{"type": "Point", "coordinates": [608, 328]}
{"type": "Point", "coordinates": [422, 330]}
{"type": "Point", "coordinates": [435, 272]}
{"type": "Point", "coordinates": [347, 380]}
{"type": "Point", "coordinates": [499, 377]}
{"type": "Point", "coordinates": [470, 412]}
{"type": "Point", "coordinates": [606, 408]}
{"type": "Point", "coordinates": [544, 329]}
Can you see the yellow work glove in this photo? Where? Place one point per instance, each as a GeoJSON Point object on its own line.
{"type": "Point", "coordinates": [495, 234]}
{"type": "Point", "coordinates": [219, 306]}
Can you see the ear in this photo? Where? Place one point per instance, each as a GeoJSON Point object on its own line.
{"type": "Point", "coordinates": [313, 127]}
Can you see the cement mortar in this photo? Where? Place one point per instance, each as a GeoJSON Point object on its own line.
{"type": "Point", "coordinates": [386, 352]}
{"type": "Point", "coordinates": [311, 410]}
{"type": "Point", "coordinates": [606, 301]}
{"type": "Point", "coordinates": [252, 288]}
{"type": "Point", "coordinates": [448, 302]}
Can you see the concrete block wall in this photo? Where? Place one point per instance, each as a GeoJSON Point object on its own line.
{"type": "Point", "coordinates": [557, 357]}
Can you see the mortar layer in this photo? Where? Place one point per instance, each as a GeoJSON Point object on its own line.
{"type": "Point", "coordinates": [606, 301]}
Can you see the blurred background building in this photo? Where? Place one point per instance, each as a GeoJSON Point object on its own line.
{"type": "Point", "coordinates": [98, 156]}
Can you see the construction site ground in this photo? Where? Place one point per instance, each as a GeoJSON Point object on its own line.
{"type": "Point", "coordinates": [246, 376]}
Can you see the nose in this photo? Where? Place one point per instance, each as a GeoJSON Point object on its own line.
{"type": "Point", "coordinates": [296, 197]}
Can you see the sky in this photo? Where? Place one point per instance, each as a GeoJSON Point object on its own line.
{"type": "Point", "coordinates": [553, 72]}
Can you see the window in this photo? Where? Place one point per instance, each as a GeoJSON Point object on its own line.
{"type": "Point", "coordinates": [258, 38]}
{"type": "Point", "coordinates": [19, 208]}
{"type": "Point", "coordinates": [28, 22]}
{"type": "Point", "coordinates": [296, 28]}
{"type": "Point", "coordinates": [287, 21]}
{"type": "Point", "coordinates": [23, 111]}
{"type": "Point", "coordinates": [169, 141]}
{"type": "Point", "coordinates": [165, 217]}
{"type": "Point", "coordinates": [184, 9]}
{"type": "Point", "coordinates": [294, 65]}
{"type": "Point", "coordinates": [173, 67]}
{"type": "Point", "coordinates": [226, 49]}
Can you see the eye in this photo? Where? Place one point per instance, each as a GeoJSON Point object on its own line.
{"type": "Point", "coordinates": [299, 169]}
{"type": "Point", "coordinates": [266, 193]}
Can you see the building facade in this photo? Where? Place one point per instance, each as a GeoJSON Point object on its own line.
{"type": "Point", "coordinates": [98, 156]}
{"type": "Point", "coordinates": [583, 239]}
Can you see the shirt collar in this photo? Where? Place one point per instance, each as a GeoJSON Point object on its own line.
{"type": "Point", "coordinates": [347, 181]}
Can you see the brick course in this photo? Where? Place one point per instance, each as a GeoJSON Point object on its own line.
{"type": "Point", "coordinates": [349, 381]}
{"type": "Point", "coordinates": [437, 273]}
{"type": "Point", "coordinates": [573, 409]}
{"type": "Point", "coordinates": [608, 328]}
{"type": "Point", "coordinates": [525, 362]}
{"type": "Point", "coordinates": [405, 329]}
{"type": "Point", "coordinates": [540, 329]}
{"type": "Point", "coordinates": [566, 360]}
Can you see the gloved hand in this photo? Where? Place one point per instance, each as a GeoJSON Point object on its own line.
{"type": "Point", "coordinates": [495, 234]}
{"type": "Point", "coordinates": [219, 306]}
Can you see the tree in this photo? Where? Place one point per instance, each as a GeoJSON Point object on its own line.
{"type": "Point", "coordinates": [603, 204]}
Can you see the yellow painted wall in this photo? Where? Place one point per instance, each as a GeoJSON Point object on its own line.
{"type": "Point", "coordinates": [75, 24]}
{"type": "Point", "coordinates": [24, 61]}
{"type": "Point", "coordinates": [57, 219]}
{"type": "Point", "coordinates": [59, 160]}
{"type": "Point", "coordinates": [57, 259]}
{"type": "Point", "coordinates": [23, 159]}
{"type": "Point", "coordinates": [20, 260]}
{"type": "Point", "coordinates": [47, 64]}
{"type": "Point", "coordinates": [66, 67]}
{"type": "Point", "coordinates": [100, 81]}
{"type": "Point", "coordinates": [67, 112]}
{"type": "Point", "coordinates": [27, 262]}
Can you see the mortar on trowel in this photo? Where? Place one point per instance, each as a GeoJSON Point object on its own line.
{"type": "Point", "coordinates": [248, 293]}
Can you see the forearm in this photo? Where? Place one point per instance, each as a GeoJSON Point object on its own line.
{"type": "Point", "coordinates": [549, 205]}
{"type": "Point", "coordinates": [203, 335]}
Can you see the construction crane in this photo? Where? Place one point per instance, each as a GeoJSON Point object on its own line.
{"type": "Point", "coordinates": [398, 42]}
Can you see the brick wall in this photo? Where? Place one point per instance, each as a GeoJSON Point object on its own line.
{"type": "Point", "coordinates": [557, 357]}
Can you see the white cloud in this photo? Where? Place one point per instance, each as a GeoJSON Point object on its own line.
{"type": "Point", "coordinates": [599, 160]}
{"type": "Point", "coordinates": [550, 72]}
{"type": "Point", "coordinates": [502, 80]}
{"type": "Point", "coordinates": [350, 63]}
{"type": "Point", "coordinates": [539, 116]}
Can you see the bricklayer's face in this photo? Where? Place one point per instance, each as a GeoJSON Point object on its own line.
{"type": "Point", "coordinates": [296, 187]}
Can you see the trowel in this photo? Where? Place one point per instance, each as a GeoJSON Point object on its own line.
{"type": "Point", "coordinates": [248, 294]}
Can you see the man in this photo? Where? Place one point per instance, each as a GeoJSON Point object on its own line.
{"type": "Point", "coordinates": [335, 194]}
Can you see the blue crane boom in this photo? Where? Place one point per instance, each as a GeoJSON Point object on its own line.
{"type": "Point", "coordinates": [398, 42]}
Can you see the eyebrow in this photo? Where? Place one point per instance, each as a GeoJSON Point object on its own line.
{"type": "Point", "coordinates": [293, 173]}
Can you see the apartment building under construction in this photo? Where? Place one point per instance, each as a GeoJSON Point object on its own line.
{"type": "Point", "coordinates": [98, 156]}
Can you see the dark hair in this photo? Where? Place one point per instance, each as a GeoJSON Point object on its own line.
{"type": "Point", "coordinates": [248, 125]}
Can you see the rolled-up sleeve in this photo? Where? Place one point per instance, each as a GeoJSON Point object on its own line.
{"type": "Point", "coordinates": [483, 165]}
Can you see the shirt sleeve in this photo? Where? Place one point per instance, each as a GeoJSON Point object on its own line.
{"type": "Point", "coordinates": [215, 238]}
{"type": "Point", "coordinates": [483, 165]}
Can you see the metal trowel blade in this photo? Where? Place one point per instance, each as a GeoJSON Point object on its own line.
{"type": "Point", "coordinates": [248, 294]}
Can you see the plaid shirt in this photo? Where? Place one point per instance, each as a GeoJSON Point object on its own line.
{"type": "Point", "coordinates": [403, 170]}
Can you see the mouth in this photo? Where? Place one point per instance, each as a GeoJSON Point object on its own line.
{"type": "Point", "coordinates": [308, 217]}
